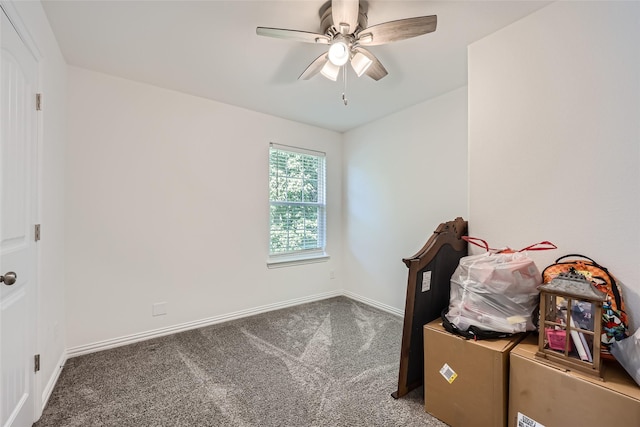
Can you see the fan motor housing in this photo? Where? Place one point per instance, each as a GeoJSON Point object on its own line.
{"type": "Point", "coordinates": [327, 24]}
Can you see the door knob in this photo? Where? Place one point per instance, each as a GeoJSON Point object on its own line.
{"type": "Point", "coordinates": [9, 278]}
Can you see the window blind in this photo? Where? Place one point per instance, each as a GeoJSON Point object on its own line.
{"type": "Point", "coordinates": [297, 200]}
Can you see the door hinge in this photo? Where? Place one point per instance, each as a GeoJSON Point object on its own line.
{"type": "Point", "coordinates": [38, 101]}
{"type": "Point", "coordinates": [37, 232]}
{"type": "Point", "coordinates": [36, 363]}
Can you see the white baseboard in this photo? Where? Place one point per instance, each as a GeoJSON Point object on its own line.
{"type": "Point", "coordinates": [48, 389]}
{"type": "Point", "coordinates": [142, 336]}
{"type": "Point", "coordinates": [373, 303]}
{"type": "Point", "coordinates": [155, 333]}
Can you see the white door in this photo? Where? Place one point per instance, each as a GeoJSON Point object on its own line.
{"type": "Point", "coordinates": [18, 127]}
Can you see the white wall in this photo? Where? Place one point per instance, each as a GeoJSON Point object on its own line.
{"type": "Point", "coordinates": [404, 175]}
{"type": "Point", "coordinates": [167, 201]}
{"type": "Point", "coordinates": [51, 309]}
{"type": "Point", "coordinates": [554, 136]}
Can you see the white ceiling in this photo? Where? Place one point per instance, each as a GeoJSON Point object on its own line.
{"type": "Point", "coordinates": [210, 49]}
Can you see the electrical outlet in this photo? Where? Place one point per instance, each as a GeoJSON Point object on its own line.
{"type": "Point", "coordinates": [159, 309]}
{"type": "Point", "coordinates": [332, 274]}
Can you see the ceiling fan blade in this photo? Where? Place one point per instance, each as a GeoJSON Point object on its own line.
{"type": "Point", "coordinates": [345, 15]}
{"type": "Point", "coordinates": [315, 67]}
{"type": "Point", "coordinates": [394, 31]}
{"type": "Point", "coordinates": [376, 70]}
{"type": "Point", "coordinates": [300, 36]}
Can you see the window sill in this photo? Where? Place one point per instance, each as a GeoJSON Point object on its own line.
{"type": "Point", "coordinates": [288, 261]}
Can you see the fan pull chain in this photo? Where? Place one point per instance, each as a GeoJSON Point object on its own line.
{"type": "Point", "coordinates": [344, 90]}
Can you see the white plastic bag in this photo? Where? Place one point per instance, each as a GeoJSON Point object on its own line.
{"type": "Point", "coordinates": [627, 352]}
{"type": "Point", "coordinates": [495, 292]}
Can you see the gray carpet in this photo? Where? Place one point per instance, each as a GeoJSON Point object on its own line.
{"type": "Point", "coordinates": [327, 363]}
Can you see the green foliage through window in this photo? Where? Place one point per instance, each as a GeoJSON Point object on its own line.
{"type": "Point", "coordinates": [297, 200]}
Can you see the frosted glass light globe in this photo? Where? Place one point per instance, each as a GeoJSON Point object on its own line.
{"type": "Point", "coordinates": [339, 53]}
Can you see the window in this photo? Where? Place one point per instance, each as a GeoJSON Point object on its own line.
{"type": "Point", "coordinates": [297, 203]}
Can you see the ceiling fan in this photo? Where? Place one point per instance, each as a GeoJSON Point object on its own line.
{"type": "Point", "coordinates": [344, 29]}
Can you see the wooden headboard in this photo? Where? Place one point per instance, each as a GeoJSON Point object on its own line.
{"type": "Point", "coordinates": [428, 286]}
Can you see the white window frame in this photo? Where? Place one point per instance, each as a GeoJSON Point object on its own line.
{"type": "Point", "coordinates": [305, 255]}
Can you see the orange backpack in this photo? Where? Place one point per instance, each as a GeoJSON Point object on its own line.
{"type": "Point", "coordinates": [615, 324]}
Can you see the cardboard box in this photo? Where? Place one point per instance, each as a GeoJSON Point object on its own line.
{"type": "Point", "coordinates": [465, 381]}
{"type": "Point", "coordinates": [543, 395]}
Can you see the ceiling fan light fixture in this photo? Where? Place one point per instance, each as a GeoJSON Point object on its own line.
{"type": "Point", "coordinates": [330, 71]}
{"type": "Point", "coordinates": [360, 63]}
{"type": "Point", "coordinates": [339, 53]}
{"type": "Point", "coordinates": [345, 29]}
